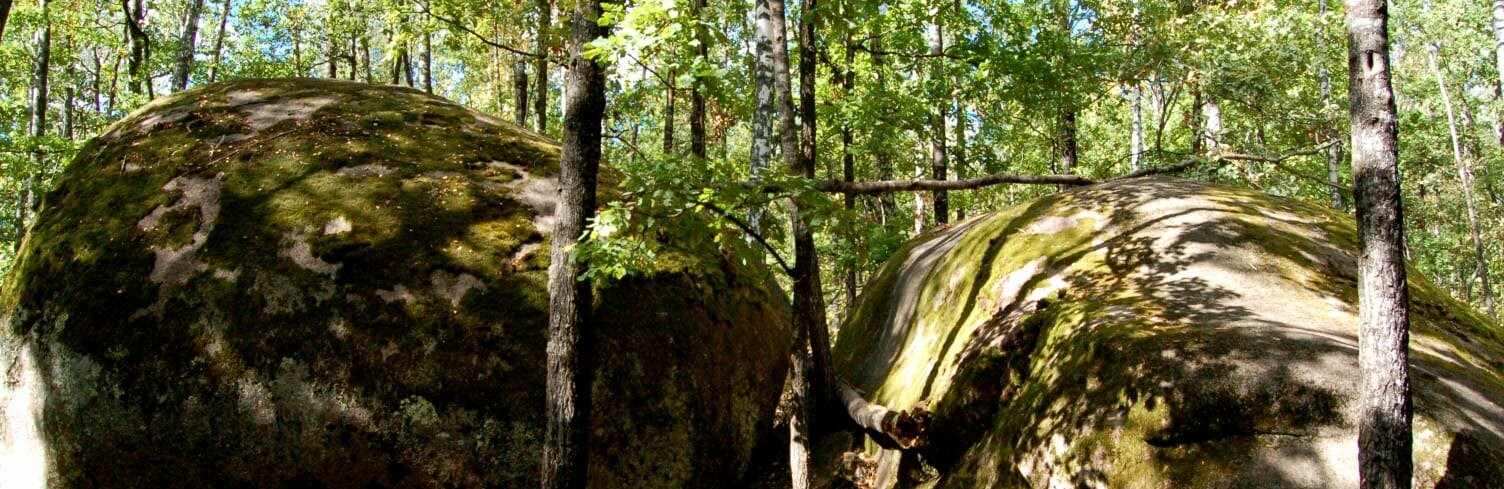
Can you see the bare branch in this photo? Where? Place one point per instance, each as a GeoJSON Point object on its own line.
{"type": "Point", "coordinates": [423, 6]}
{"type": "Point", "coordinates": [750, 232]}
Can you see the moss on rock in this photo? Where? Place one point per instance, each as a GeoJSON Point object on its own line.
{"type": "Point", "coordinates": [288, 283]}
{"type": "Point", "coordinates": [1159, 333]}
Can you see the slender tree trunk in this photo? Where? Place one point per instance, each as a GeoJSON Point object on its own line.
{"type": "Point", "coordinates": [960, 151]}
{"type": "Point", "coordinates": [1465, 177]}
{"type": "Point", "coordinates": [219, 41]}
{"type": "Point", "coordinates": [98, 82]}
{"type": "Point", "coordinates": [1498, 27]}
{"type": "Point", "coordinates": [186, 44]}
{"type": "Point", "coordinates": [354, 56]}
{"type": "Point", "coordinates": [1138, 126]}
{"type": "Point", "coordinates": [696, 96]}
{"type": "Point", "coordinates": [571, 334]}
{"type": "Point", "coordinates": [788, 136]}
{"type": "Point", "coordinates": [1334, 152]}
{"type": "Point", "coordinates": [407, 68]}
{"type": "Point", "coordinates": [848, 160]}
{"type": "Point", "coordinates": [763, 103]}
{"type": "Point", "coordinates": [1211, 115]}
{"type": "Point", "coordinates": [428, 62]}
{"type": "Point", "coordinates": [519, 89]}
{"type": "Point", "coordinates": [920, 205]}
{"type": "Point", "coordinates": [887, 207]}
{"type": "Point", "coordinates": [297, 53]}
{"type": "Point", "coordinates": [140, 45]}
{"type": "Point", "coordinates": [540, 66]}
{"type": "Point", "coordinates": [1384, 437]}
{"type": "Point", "coordinates": [332, 49]}
{"type": "Point", "coordinates": [668, 114]}
{"type": "Point", "coordinates": [937, 118]}
{"type": "Point", "coordinates": [1067, 136]}
{"type": "Point", "coordinates": [365, 56]}
{"type": "Point", "coordinates": [38, 111]}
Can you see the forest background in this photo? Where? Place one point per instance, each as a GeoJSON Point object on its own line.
{"type": "Point", "coordinates": [1251, 93]}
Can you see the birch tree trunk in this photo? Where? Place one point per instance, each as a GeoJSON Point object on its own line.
{"type": "Point", "coordinates": [219, 41]}
{"type": "Point", "coordinates": [428, 62]}
{"type": "Point", "coordinates": [960, 151]}
{"type": "Point", "coordinates": [1334, 152]}
{"type": "Point", "coordinates": [763, 108]}
{"type": "Point", "coordinates": [1384, 436]}
{"type": "Point", "coordinates": [1137, 143]}
{"type": "Point", "coordinates": [1465, 177]}
{"type": "Point", "coordinates": [1211, 134]}
{"type": "Point", "coordinates": [571, 336]}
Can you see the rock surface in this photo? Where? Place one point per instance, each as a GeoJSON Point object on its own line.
{"type": "Point", "coordinates": [1158, 334]}
{"type": "Point", "coordinates": [301, 283]}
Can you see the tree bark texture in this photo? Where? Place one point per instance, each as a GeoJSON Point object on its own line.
{"type": "Point", "coordinates": [1333, 153]}
{"type": "Point", "coordinates": [540, 66]}
{"type": "Point", "coordinates": [219, 41]}
{"type": "Point", "coordinates": [428, 62]}
{"type": "Point", "coordinates": [39, 89]}
{"type": "Point", "coordinates": [1384, 438]}
{"type": "Point", "coordinates": [958, 150]}
{"type": "Point", "coordinates": [696, 96]}
{"type": "Point", "coordinates": [519, 89]}
{"type": "Point", "coordinates": [4, 16]}
{"type": "Point", "coordinates": [571, 336]}
{"type": "Point", "coordinates": [937, 118]}
{"type": "Point", "coordinates": [1211, 116]}
{"type": "Point", "coordinates": [812, 366]}
{"type": "Point", "coordinates": [1465, 177]}
{"type": "Point", "coordinates": [668, 114]}
{"type": "Point", "coordinates": [763, 108]}
{"type": "Point", "coordinates": [186, 46]}
{"type": "Point", "coordinates": [140, 44]}
{"type": "Point", "coordinates": [848, 164]}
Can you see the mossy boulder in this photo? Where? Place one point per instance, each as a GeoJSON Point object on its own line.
{"type": "Point", "coordinates": [300, 283]}
{"type": "Point", "coordinates": [1156, 334]}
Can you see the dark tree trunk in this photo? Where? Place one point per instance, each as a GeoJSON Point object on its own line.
{"type": "Point", "coordinates": [428, 63]}
{"type": "Point", "coordinates": [881, 158]}
{"type": "Point", "coordinates": [219, 41]}
{"type": "Point", "coordinates": [696, 97]}
{"type": "Point", "coordinates": [788, 137]}
{"type": "Point", "coordinates": [186, 44]}
{"type": "Point", "coordinates": [540, 66]}
{"type": "Point", "coordinates": [1384, 438]}
{"type": "Point", "coordinates": [669, 115]}
{"type": "Point", "coordinates": [811, 372]}
{"type": "Point", "coordinates": [848, 163]}
{"type": "Point", "coordinates": [4, 16]}
{"type": "Point", "coordinates": [938, 170]}
{"type": "Point", "coordinates": [519, 89]}
{"type": "Point", "coordinates": [571, 336]}
{"type": "Point", "coordinates": [365, 58]}
{"type": "Point", "coordinates": [38, 111]}
{"type": "Point", "coordinates": [140, 45]}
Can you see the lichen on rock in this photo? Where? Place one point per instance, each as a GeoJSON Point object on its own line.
{"type": "Point", "coordinates": [290, 283]}
{"type": "Point", "coordinates": [1159, 333]}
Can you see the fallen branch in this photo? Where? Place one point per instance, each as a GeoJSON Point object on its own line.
{"type": "Point", "coordinates": [892, 429]}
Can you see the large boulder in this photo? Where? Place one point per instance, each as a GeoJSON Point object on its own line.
{"type": "Point", "coordinates": [1158, 334]}
{"type": "Point", "coordinates": [299, 283]}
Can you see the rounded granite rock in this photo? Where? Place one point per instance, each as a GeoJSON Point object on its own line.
{"type": "Point", "coordinates": [1158, 333]}
{"type": "Point", "coordinates": [306, 283]}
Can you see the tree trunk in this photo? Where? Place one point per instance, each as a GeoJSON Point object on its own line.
{"type": "Point", "coordinates": [428, 62]}
{"type": "Point", "coordinates": [848, 162]}
{"type": "Point", "coordinates": [811, 369]}
{"type": "Point", "coordinates": [332, 66]}
{"type": "Point", "coordinates": [540, 66]}
{"type": "Point", "coordinates": [1465, 177]}
{"type": "Point", "coordinates": [887, 207]}
{"type": "Point", "coordinates": [1066, 142]}
{"type": "Point", "coordinates": [219, 41]}
{"type": "Point", "coordinates": [365, 57]}
{"type": "Point", "coordinates": [4, 16]}
{"type": "Point", "coordinates": [763, 108]}
{"type": "Point", "coordinates": [788, 137]}
{"type": "Point", "coordinates": [937, 118]}
{"type": "Point", "coordinates": [1498, 25]}
{"type": "Point", "coordinates": [1137, 144]}
{"type": "Point", "coordinates": [519, 89]}
{"type": "Point", "coordinates": [668, 114]}
{"type": "Point", "coordinates": [571, 336]}
{"type": "Point", "coordinates": [1211, 115]}
{"type": "Point", "coordinates": [140, 45]}
{"type": "Point", "coordinates": [1333, 153]}
{"type": "Point", "coordinates": [696, 96]}
{"type": "Point", "coordinates": [1384, 437]}
{"type": "Point", "coordinates": [959, 164]}
{"type": "Point", "coordinates": [186, 44]}
{"type": "Point", "coordinates": [38, 114]}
